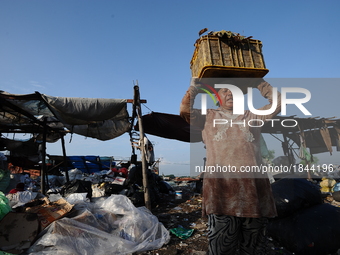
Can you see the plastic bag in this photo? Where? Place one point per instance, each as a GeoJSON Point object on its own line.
{"type": "Point", "coordinates": [74, 174]}
{"type": "Point", "coordinates": [56, 181]}
{"type": "Point", "coordinates": [113, 188]}
{"type": "Point", "coordinates": [4, 205]}
{"type": "Point", "coordinates": [20, 198]}
{"type": "Point", "coordinates": [311, 231]}
{"type": "Point", "coordinates": [336, 187]}
{"type": "Point", "coordinates": [77, 197]}
{"type": "Point", "coordinates": [110, 226]}
{"type": "Point", "coordinates": [97, 191]}
{"type": "Point", "coordinates": [292, 195]}
{"type": "Point", "coordinates": [181, 232]}
{"type": "Point", "coordinates": [77, 186]}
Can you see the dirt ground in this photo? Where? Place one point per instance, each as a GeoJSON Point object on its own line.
{"type": "Point", "coordinates": [187, 213]}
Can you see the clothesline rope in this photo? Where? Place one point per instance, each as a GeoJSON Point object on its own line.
{"type": "Point", "coordinates": [147, 108]}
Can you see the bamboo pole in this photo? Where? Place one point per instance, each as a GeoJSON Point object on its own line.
{"type": "Point", "coordinates": [43, 165]}
{"type": "Point", "coordinates": [142, 148]}
{"type": "Point", "coordinates": [65, 158]}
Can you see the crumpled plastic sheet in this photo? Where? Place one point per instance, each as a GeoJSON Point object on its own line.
{"type": "Point", "coordinates": [75, 174]}
{"type": "Point", "coordinates": [76, 197]}
{"type": "Point", "coordinates": [110, 226]}
{"type": "Point", "coordinates": [20, 198]}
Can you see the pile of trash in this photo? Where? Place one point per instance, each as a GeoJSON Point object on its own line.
{"type": "Point", "coordinates": [103, 213]}
{"type": "Point", "coordinates": [99, 213]}
{"type": "Point", "coordinates": [111, 225]}
{"type": "Point", "coordinates": [306, 222]}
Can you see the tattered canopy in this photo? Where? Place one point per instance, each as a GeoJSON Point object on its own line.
{"type": "Point", "coordinates": [99, 118]}
{"type": "Point", "coordinates": [103, 119]}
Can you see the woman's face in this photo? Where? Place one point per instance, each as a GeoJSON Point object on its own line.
{"type": "Point", "coordinates": [226, 98]}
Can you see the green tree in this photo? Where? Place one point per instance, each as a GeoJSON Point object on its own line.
{"type": "Point", "coordinates": [271, 155]}
{"type": "Point", "coordinates": [315, 160]}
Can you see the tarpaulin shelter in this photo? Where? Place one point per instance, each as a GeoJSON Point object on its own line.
{"type": "Point", "coordinates": [103, 119]}
{"type": "Point", "coordinates": [49, 118]}
{"type": "Point", "coordinates": [317, 134]}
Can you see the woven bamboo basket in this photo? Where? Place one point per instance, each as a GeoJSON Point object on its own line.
{"type": "Point", "coordinates": [227, 57]}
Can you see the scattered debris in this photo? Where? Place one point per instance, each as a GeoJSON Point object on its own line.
{"type": "Point", "coordinates": [18, 231]}
{"type": "Point", "coordinates": [183, 230]}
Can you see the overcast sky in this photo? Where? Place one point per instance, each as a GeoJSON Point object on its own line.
{"type": "Point", "coordinates": [99, 49]}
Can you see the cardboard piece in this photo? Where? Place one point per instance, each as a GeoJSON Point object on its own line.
{"type": "Point", "coordinates": [49, 212]}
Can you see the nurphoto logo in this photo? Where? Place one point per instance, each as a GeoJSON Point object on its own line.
{"type": "Point", "coordinates": [238, 96]}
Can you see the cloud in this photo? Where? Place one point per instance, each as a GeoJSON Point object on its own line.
{"type": "Point", "coordinates": [36, 84]}
{"type": "Point", "coordinates": [167, 162]}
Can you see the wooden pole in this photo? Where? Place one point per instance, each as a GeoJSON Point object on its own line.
{"type": "Point", "coordinates": [65, 159]}
{"type": "Point", "coordinates": [303, 143]}
{"type": "Point", "coordinates": [142, 148]}
{"type": "Point", "coordinates": [43, 165]}
{"type": "Point", "coordinates": [287, 150]}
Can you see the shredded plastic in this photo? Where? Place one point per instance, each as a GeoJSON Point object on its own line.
{"type": "Point", "coordinates": [4, 205]}
{"type": "Point", "coordinates": [110, 226]}
{"type": "Point", "coordinates": [181, 232]}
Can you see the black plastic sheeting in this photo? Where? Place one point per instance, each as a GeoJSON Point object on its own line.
{"type": "Point", "coordinates": [294, 194]}
{"type": "Point", "coordinates": [305, 224]}
{"type": "Point", "coordinates": [77, 186]}
{"type": "Point", "coordinates": [170, 126]}
{"type": "Point", "coordinates": [311, 231]}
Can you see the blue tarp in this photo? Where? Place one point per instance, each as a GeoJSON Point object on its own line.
{"type": "Point", "coordinates": [90, 164]}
